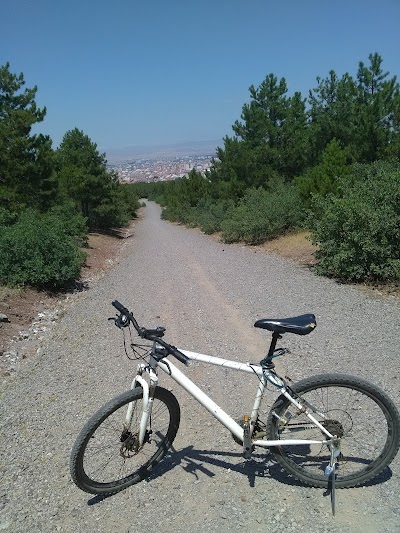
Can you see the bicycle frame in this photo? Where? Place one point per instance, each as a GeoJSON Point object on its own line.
{"type": "Point", "coordinates": [215, 410]}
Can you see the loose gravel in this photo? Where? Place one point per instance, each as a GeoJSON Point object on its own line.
{"type": "Point", "coordinates": [208, 295]}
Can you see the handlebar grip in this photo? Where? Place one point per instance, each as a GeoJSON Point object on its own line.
{"type": "Point", "coordinates": [125, 312]}
{"type": "Point", "coordinates": [179, 355]}
{"type": "Point", "coordinates": [119, 307]}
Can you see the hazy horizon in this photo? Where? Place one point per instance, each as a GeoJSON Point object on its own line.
{"type": "Point", "coordinates": [179, 149]}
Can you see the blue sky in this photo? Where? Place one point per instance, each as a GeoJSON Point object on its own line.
{"type": "Point", "coordinates": [133, 73]}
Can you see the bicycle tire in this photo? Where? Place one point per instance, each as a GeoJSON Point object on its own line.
{"type": "Point", "coordinates": [103, 458]}
{"type": "Point", "coordinates": [358, 423]}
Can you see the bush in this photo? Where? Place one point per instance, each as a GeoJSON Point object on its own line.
{"type": "Point", "coordinates": [108, 215]}
{"type": "Point", "coordinates": [34, 252]}
{"type": "Point", "coordinates": [69, 221]}
{"type": "Point", "coordinates": [117, 209]}
{"type": "Point", "coordinates": [209, 214]}
{"type": "Point", "coordinates": [175, 212]}
{"type": "Point", "coordinates": [359, 234]}
{"type": "Point", "coordinates": [7, 217]}
{"type": "Point", "coordinates": [263, 215]}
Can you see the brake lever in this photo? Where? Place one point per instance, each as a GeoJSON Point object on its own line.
{"type": "Point", "coordinates": [121, 321]}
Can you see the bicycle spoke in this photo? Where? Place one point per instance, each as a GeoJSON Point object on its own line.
{"type": "Point", "coordinates": [349, 413]}
{"type": "Point", "coordinates": [111, 451]}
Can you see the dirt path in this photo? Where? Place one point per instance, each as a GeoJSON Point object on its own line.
{"type": "Point", "coordinates": [208, 295]}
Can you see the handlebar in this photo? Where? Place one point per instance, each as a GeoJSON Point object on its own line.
{"type": "Point", "coordinates": [119, 307]}
{"type": "Point", "coordinates": [176, 353]}
{"type": "Point", "coordinates": [150, 334]}
{"type": "Point", "coordinates": [126, 313]}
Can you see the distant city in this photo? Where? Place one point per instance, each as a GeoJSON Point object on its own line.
{"type": "Point", "coordinates": [160, 169]}
{"type": "Point", "coordinates": [161, 163]}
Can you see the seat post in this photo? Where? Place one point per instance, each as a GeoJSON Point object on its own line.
{"type": "Point", "coordinates": [275, 337]}
{"type": "Point", "coordinates": [267, 361]}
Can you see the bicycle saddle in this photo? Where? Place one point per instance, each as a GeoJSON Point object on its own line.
{"type": "Point", "coordinates": [300, 325]}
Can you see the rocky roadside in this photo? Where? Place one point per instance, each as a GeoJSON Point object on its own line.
{"type": "Point", "coordinates": [26, 343]}
{"type": "Point", "coordinates": [27, 315]}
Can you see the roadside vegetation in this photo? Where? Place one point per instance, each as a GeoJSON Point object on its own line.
{"type": "Point", "coordinates": [49, 198]}
{"type": "Point", "coordinates": [328, 163]}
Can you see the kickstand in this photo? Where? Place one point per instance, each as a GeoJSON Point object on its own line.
{"type": "Point", "coordinates": [333, 490]}
{"type": "Point", "coordinates": [330, 472]}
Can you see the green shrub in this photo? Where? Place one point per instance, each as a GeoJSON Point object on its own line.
{"type": "Point", "coordinates": [34, 252]}
{"type": "Point", "coordinates": [116, 209]}
{"type": "Point", "coordinates": [127, 196]}
{"type": "Point", "coordinates": [177, 212]}
{"type": "Point", "coordinates": [108, 215]}
{"type": "Point", "coordinates": [209, 214]}
{"type": "Point", "coordinates": [359, 233]}
{"type": "Point", "coordinates": [69, 221]}
{"type": "Point", "coordinates": [263, 215]}
{"type": "Point", "coordinates": [7, 217]}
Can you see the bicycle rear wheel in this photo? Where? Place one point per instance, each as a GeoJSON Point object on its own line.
{"type": "Point", "coordinates": [361, 414]}
{"type": "Point", "coordinates": [106, 457]}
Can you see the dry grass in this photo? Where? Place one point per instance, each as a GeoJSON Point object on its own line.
{"type": "Point", "coordinates": [296, 246]}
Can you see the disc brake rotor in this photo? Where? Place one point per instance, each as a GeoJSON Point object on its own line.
{"type": "Point", "coordinates": [129, 446]}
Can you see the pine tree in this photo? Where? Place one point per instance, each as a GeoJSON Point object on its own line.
{"type": "Point", "coordinates": [26, 160]}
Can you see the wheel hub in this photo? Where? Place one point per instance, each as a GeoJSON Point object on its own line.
{"type": "Point", "coordinates": [129, 445]}
{"type": "Point", "coordinates": [334, 427]}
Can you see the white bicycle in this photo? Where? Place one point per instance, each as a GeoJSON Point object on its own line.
{"type": "Point", "coordinates": [329, 430]}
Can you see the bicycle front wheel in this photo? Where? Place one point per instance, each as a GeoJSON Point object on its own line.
{"type": "Point", "coordinates": [106, 456]}
{"type": "Point", "coordinates": [361, 414]}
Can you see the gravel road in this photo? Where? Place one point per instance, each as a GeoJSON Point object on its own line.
{"type": "Point", "coordinates": [208, 295]}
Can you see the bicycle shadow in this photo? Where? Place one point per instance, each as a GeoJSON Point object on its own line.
{"type": "Point", "coordinates": [262, 465]}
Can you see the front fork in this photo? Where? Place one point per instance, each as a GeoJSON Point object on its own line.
{"type": "Point", "coordinates": [148, 399]}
